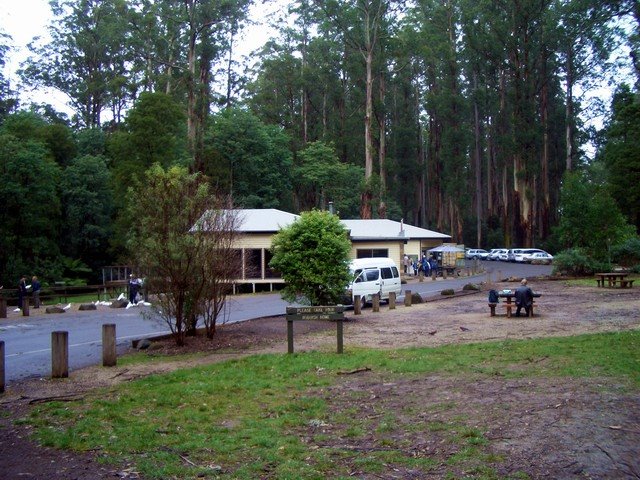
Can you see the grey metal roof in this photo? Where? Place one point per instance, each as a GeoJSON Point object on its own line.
{"type": "Point", "coordinates": [272, 220]}
{"type": "Point", "coordinates": [264, 219]}
{"type": "Point", "coordinates": [382, 229]}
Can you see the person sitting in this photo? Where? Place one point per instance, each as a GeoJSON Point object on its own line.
{"type": "Point", "coordinates": [524, 298]}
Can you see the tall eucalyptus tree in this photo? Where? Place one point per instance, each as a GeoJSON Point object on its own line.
{"type": "Point", "coordinates": [87, 58]}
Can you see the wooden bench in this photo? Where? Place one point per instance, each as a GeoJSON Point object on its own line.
{"type": "Point", "coordinates": [626, 283]}
{"type": "Point", "coordinates": [600, 282]}
{"type": "Point", "coordinates": [511, 306]}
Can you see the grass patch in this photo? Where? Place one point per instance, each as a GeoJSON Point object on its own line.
{"type": "Point", "coordinates": [268, 415]}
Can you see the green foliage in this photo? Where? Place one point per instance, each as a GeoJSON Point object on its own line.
{"type": "Point", "coordinates": [88, 206]}
{"type": "Point", "coordinates": [252, 159]}
{"type": "Point", "coordinates": [321, 177]}
{"type": "Point", "coordinates": [589, 216]}
{"type": "Point", "coordinates": [30, 214]}
{"type": "Point", "coordinates": [622, 153]}
{"type": "Point", "coordinates": [575, 262]}
{"type": "Point", "coordinates": [627, 253]}
{"type": "Point", "coordinates": [312, 254]}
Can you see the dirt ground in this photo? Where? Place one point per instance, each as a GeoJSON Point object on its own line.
{"type": "Point", "coordinates": [540, 427]}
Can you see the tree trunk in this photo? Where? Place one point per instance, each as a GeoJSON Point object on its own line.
{"type": "Point", "coordinates": [569, 109]}
{"type": "Point", "coordinates": [367, 196]}
{"type": "Point", "coordinates": [478, 163]}
{"type": "Point", "coordinates": [382, 149]}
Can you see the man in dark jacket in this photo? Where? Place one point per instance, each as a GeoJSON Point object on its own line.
{"type": "Point", "coordinates": [22, 291]}
{"type": "Point", "coordinates": [524, 298]}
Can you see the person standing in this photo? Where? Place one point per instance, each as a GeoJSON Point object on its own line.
{"type": "Point", "coordinates": [406, 262]}
{"type": "Point", "coordinates": [22, 291]}
{"type": "Point", "coordinates": [35, 291]}
{"type": "Point", "coordinates": [134, 288]}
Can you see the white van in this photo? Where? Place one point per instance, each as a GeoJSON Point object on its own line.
{"type": "Point", "coordinates": [371, 276]}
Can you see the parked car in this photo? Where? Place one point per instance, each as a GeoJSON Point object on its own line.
{"type": "Point", "coordinates": [511, 254]}
{"type": "Point", "coordinates": [472, 253]}
{"type": "Point", "coordinates": [540, 258]}
{"type": "Point", "coordinates": [495, 253]}
{"type": "Point", "coordinates": [523, 255]}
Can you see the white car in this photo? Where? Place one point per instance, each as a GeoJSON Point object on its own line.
{"type": "Point", "coordinates": [522, 256]}
{"type": "Point", "coordinates": [495, 253]}
{"type": "Point", "coordinates": [540, 258]}
{"type": "Point", "coordinates": [476, 253]}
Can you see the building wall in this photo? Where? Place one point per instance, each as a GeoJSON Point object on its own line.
{"type": "Point", "coordinates": [255, 253]}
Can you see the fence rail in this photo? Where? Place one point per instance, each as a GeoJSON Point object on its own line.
{"type": "Point", "coordinates": [65, 293]}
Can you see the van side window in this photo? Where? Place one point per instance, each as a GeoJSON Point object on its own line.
{"type": "Point", "coordinates": [386, 272]}
{"type": "Point", "coordinates": [358, 276]}
{"type": "Point", "coordinates": [372, 275]}
{"type": "Point", "coordinates": [395, 272]}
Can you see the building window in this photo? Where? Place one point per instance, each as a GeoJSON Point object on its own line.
{"type": "Point", "coordinates": [253, 263]}
{"type": "Point", "coordinates": [372, 252]}
{"type": "Point", "coordinates": [268, 271]}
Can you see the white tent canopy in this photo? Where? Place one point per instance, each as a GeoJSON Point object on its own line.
{"type": "Point", "coordinates": [446, 248]}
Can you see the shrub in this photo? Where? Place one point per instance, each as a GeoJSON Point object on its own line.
{"type": "Point", "coordinates": [448, 291]}
{"type": "Point", "coordinates": [416, 298]}
{"type": "Point", "coordinates": [627, 254]}
{"type": "Point", "coordinates": [471, 286]}
{"type": "Point", "coordinates": [575, 262]}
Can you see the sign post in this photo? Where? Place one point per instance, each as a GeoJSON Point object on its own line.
{"type": "Point", "coordinates": [332, 313]}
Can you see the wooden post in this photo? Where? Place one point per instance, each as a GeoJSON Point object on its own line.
{"type": "Point", "coordinates": [340, 334]}
{"type": "Point", "coordinates": [421, 276]}
{"type": "Point", "coordinates": [433, 274]}
{"type": "Point", "coordinates": [444, 273]}
{"type": "Point", "coordinates": [25, 306]}
{"type": "Point", "coordinates": [376, 302]}
{"type": "Point", "coordinates": [59, 354]}
{"type": "Point", "coordinates": [3, 307]}
{"type": "Point", "coordinates": [290, 336]}
{"type": "Point", "coordinates": [357, 305]}
{"type": "Point", "coordinates": [392, 300]}
{"type": "Point", "coordinates": [407, 298]}
{"type": "Point", "coordinates": [1, 366]}
{"type": "Point", "coordinates": [109, 357]}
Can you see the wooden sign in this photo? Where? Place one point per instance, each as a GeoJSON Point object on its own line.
{"type": "Point", "coordinates": [331, 313]}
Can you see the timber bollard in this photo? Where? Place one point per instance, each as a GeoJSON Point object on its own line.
{"type": "Point", "coordinates": [25, 306]}
{"type": "Point", "coordinates": [3, 307]}
{"type": "Point", "coordinates": [392, 300]}
{"type": "Point", "coordinates": [59, 354]}
{"type": "Point", "coordinates": [1, 367]}
{"type": "Point", "coordinates": [357, 305]}
{"type": "Point", "coordinates": [433, 274]}
{"type": "Point", "coordinates": [109, 357]}
{"type": "Point", "coordinates": [421, 277]}
{"type": "Point", "coordinates": [444, 273]}
{"type": "Point", "coordinates": [375, 300]}
{"type": "Point", "coordinates": [407, 298]}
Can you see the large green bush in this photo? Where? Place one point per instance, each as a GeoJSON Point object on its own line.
{"type": "Point", "coordinates": [312, 254]}
{"type": "Point", "coordinates": [575, 262]}
{"type": "Point", "coordinates": [627, 253]}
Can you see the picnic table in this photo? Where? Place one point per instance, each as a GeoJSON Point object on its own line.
{"type": "Point", "coordinates": [510, 296]}
{"type": "Point", "coordinates": [614, 279]}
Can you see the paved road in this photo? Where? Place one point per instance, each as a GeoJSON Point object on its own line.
{"type": "Point", "coordinates": [28, 339]}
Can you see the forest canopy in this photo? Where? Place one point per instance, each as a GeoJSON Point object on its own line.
{"type": "Point", "coordinates": [455, 115]}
